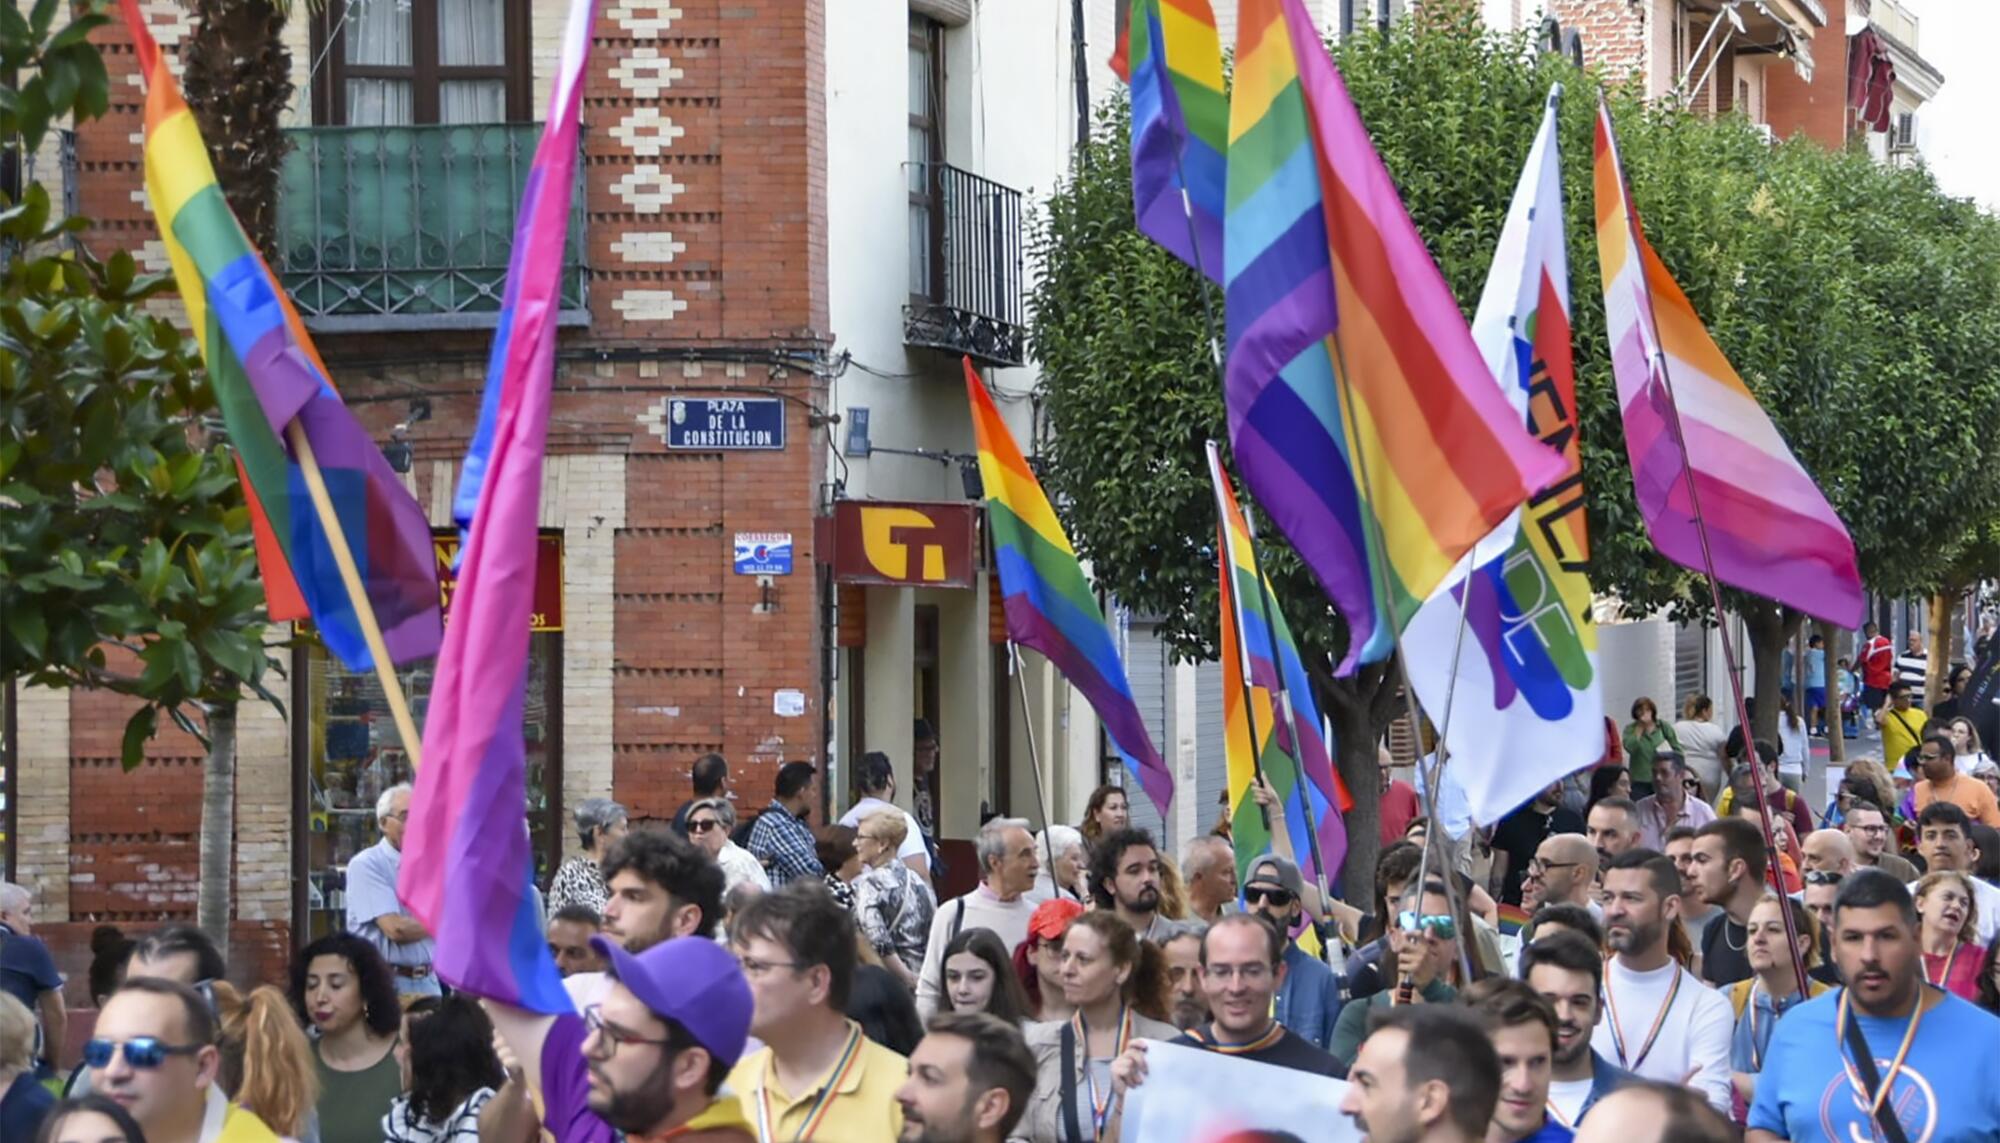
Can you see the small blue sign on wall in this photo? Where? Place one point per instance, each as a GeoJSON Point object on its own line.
{"type": "Point", "coordinates": [763, 553]}
{"type": "Point", "coordinates": [711, 425]}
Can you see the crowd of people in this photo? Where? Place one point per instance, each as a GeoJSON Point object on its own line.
{"type": "Point", "coordinates": [769, 980]}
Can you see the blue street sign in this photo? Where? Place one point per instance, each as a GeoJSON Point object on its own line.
{"type": "Point", "coordinates": [712, 425]}
{"type": "Point", "coordinates": [763, 553]}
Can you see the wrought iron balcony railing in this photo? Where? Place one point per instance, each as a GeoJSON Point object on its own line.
{"type": "Point", "coordinates": [965, 266]}
{"type": "Point", "coordinates": [384, 228]}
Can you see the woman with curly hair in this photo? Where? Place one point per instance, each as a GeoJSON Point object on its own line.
{"type": "Point", "coordinates": [1117, 986]}
{"type": "Point", "coordinates": [449, 1071]}
{"type": "Point", "coordinates": [345, 993]}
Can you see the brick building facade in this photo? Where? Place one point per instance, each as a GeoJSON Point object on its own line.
{"type": "Point", "coordinates": [703, 228]}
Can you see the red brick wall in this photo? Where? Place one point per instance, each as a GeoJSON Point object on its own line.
{"type": "Point", "coordinates": [259, 953]}
{"type": "Point", "coordinates": [1818, 109]}
{"type": "Point", "coordinates": [1613, 32]}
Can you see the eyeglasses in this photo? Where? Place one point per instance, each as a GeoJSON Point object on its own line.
{"type": "Point", "coordinates": [1278, 897]}
{"type": "Point", "coordinates": [1822, 877]}
{"type": "Point", "coordinates": [607, 1038]}
{"type": "Point", "coordinates": [1537, 865]}
{"type": "Point", "coordinates": [1442, 927]}
{"type": "Point", "coordinates": [703, 825]}
{"type": "Point", "coordinates": [762, 968]}
{"type": "Point", "coordinates": [141, 1052]}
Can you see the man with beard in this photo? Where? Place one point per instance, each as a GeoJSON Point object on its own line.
{"type": "Point", "coordinates": [970, 1080]}
{"type": "Point", "coordinates": [1938, 759]}
{"type": "Point", "coordinates": [1868, 828]}
{"type": "Point", "coordinates": [1660, 1021]}
{"type": "Point", "coordinates": [1613, 827]}
{"type": "Point", "coordinates": [661, 887]}
{"type": "Point", "coordinates": [1182, 947]}
{"type": "Point", "coordinates": [1887, 1049]}
{"type": "Point", "coordinates": [1309, 997]}
{"type": "Point", "coordinates": [1567, 971]}
{"type": "Point", "coordinates": [1125, 878]}
{"type": "Point", "coordinates": [1517, 840]}
{"type": "Point", "coordinates": [1427, 1074]}
{"type": "Point", "coordinates": [1523, 1029]}
{"type": "Point", "coordinates": [1564, 868]}
{"type": "Point", "coordinates": [1727, 863]}
{"type": "Point", "coordinates": [651, 1058]}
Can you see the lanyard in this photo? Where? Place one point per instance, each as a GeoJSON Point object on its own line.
{"type": "Point", "coordinates": [1262, 1042]}
{"type": "Point", "coordinates": [1659, 1021]}
{"type": "Point", "coordinates": [1556, 1114]}
{"type": "Point", "coordinates": [1889, 1078]}
{"type": "Point", "coordinates": [1758, 1047]}
{"type": "Point", "coordinates": [850, 1055]}
{"type": "Point", "coordinates": [1949, 961]}
{"type": "Point", "coordinates": [1100, 1109]}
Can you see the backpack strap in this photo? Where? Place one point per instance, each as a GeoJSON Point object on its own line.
{"type": "Point", "coordinates": [1739, 995]}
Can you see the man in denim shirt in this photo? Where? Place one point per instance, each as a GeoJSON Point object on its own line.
{"type": "Point", "coordinates": [1309, 996]}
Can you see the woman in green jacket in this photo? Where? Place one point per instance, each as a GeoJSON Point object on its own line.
{"type": "Point", "coordinates": [1646, 736]}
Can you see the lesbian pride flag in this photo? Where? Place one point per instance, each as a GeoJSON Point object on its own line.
{"type": "Point", "coordinates": [467, 871]}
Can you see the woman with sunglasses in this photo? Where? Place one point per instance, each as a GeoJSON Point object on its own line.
{"type": "Point", "coordinates": [979, 977]}
{"type": "Point", "coordinates": [23, 1099]}
{"type": "Point", "coordinates": [88, 1119]}
{"type": "Point", "coordinates": [709, 822]}
{"type": "Point", "coordinates": [1948, 933]}
{"type": "Point", "coordinates": [449, 1072]}
{"type": "Point", "coordinates": [344, 992]}
{"type": "Point", "coordinates": [1117, 986]}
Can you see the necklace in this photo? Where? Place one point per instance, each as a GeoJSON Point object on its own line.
{"type": "Point", "coordinates": [1950, 959]}
{"type": "Point", "coordinates": [1652, 1036]}
{"type": "Point", "coordinates": [1733, 946]}
{"type": "Point", "coordinates": [1876, 1098]}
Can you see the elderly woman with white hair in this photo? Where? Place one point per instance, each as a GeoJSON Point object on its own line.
{"type": "Point", "coordinates": [892, 904]}
{"type": "Point", "coordinates": [709, 821]}
{"type": "Point", "coordinates": [1061, 849]}
{"type": "Point", "coordinates": [580, 880]}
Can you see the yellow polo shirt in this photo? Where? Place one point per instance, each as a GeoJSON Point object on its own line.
{"type": "Point", "coordinates": [862, 1107]}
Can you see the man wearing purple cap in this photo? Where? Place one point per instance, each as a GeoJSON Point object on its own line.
{"type": "Point", "coordinates": [649, 1059]}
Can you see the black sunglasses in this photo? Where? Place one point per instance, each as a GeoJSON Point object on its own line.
{"type": "Point", "coordinates": [703, 825]}
{"type": "Point", "coordinates": [1822, 877]}
{"type": "Point", "coordinates": [143, 1053]}
{"type": "Point", "coordinates": [1278, 897]}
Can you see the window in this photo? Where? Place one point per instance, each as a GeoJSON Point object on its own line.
{"type": "Point", "coordinates": [926, 153]}
{"type": "Point", "coordinates": [397, 62]}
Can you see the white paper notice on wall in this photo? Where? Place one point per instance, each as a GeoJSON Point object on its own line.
{"type": "Point", "coordinates": [788, 703]}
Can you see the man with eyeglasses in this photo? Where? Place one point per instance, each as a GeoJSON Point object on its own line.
{"type": "Point", "coordinates": [1868, 827]}
{"type": "Point", "coordinates": [1241, 965]}
{"type": "Point", "coordinates": [375, 913]}
{"type": "Point", "coordinates": [1520, 834]}
{"type": "Point", "coordinates": [153, 1052]}
{"type": "Point", "coordinates": [1942, 782]}
{"type": "Point", "coordinates": [1423, 943]}
{"type": "Point", "coordinates": [817, 1075]}
{"type": "Point", "coordinates": [648, 1061]}
{"type": "Point", "coordinates": [1309, 995]}
{"type": "Point", "coordinates": [1564, 868]}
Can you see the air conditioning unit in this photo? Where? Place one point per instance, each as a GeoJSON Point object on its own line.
{"type": "Point", "coordinates": [1903, 137]}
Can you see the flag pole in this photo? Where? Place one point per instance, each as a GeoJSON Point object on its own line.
{"type": "Point", "coordinates": [1016, 668]}
{"type": "Point", "coordinates": [357, 593]}
{"type": "Point", "coordinates": [1657, 362]}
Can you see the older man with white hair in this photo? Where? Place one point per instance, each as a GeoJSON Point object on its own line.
{"type": "Point", "coordinates": [373, 912]}
{"type": "Point", "coordinates": [1208, 867]}
{"type": "Point", "coordinates": [1000, 902]}
{"type": "Point", "coordinates": [27, 971]}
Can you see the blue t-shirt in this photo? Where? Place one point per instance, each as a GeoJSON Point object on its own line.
{"type": "Point", "coordinates": [1944, 1094]}
{"type": "Point", "coordinates": [23, 1107]}
{"type": "Point", "coordinates": [26, 968]}
{"type": "Point", "coordinates": [1551, 1132]}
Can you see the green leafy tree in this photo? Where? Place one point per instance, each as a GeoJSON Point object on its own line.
{"type": "Point", "coordinates": [126, 563]}
{"type": "Point", "coordinates": [1813, 270]}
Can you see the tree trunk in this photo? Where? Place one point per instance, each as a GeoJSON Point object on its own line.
{"type": "Point", "coordinates": [1770, 627]}
{"type": "Point", "coordinates": [1360, 707]}
{"type": "Point", "coordinates": [237, 76]}
{"type": "Point", "coordinates": [218, 824]}
{"type": "Point", "coordinates": [1836, 742]}
{"type": "Point", "coordinates": [1940, 657]}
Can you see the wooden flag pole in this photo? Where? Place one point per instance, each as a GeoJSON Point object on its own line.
{"type": "Point", "coordinates": [357, 593]}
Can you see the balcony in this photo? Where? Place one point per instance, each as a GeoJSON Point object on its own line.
{"type": "Point", "coordinates": [410, 228]}
{"type": "Point", "coordinates": [965, 266]}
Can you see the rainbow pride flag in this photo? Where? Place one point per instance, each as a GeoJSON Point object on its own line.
{"type": "Point", "coordinates": [1689, 417]}
{"type": "Point", "coordinates": [1258, 651]}
{"type": "Point", "coordinates": [267, 375]}
{"type": "Point", "coordinates": [467, 868]}
{"type": "Point", "coordinates": [1520, 672]}
{"type": "Point", "coordinates": [1049, 604]}
{"type": "Point", "coordinates": [1348, 356]}
{"type": "Point", "coordinates": [1180, 128]}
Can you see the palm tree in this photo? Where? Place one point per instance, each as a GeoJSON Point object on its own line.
{"type": "Point", "coordinates": [238, 81]}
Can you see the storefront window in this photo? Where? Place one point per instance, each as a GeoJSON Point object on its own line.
{"type": "Point", "coordinates": [353, 752]}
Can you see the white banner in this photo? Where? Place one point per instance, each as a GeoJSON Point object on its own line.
{"type": "Point", "coordinates": [1196, 1096]}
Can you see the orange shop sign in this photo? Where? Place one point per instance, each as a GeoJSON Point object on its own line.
{"type": "Point", "coordinates": [548, 614]}
{"type": "Point", "coordinates": [901, 543]}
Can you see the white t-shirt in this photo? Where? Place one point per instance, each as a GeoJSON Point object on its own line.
{"type": "Point", "coordinates": [1567, 1097]}
{"type": "Point", "coordinates": [1986, 902]}
{"type": "Point", "coordinates": [1967, 763]}
{"type": "Point", "coordinates": [913, 837]}
{"type": "Point", "coordinates": [1693, 1035]}
{"type": "Point", "coordinates": [983, 909]}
